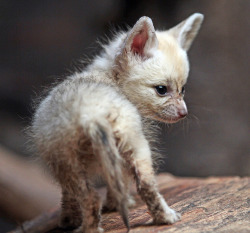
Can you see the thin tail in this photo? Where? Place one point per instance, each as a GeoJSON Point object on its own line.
{"type": "Point", "coordinates": [105, 148]}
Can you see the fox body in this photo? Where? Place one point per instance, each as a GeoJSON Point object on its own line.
{"type": "Point", "coordinates": [91, 123]}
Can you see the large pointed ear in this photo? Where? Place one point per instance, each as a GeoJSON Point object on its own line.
{"type": "Point", "coordinates": [141, 39]}
{"type": "Point", "coordinates": [186, 31]}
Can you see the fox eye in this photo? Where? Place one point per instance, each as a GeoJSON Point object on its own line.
{"type": "Point", "coordinates": [161, 90]}
{"type": "Point", "coordinates": [183, 90]}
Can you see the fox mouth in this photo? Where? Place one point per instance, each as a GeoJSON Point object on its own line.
{"type": "Point", "coordinates": [173, 120]}
{"type": "Point", "coordinates": [166, 118]}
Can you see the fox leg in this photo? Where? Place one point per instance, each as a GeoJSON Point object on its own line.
{"type": "Point", "coordinates": [71, 215]}
{"type": "Point", "coordinates": [128, 179]}
{"type": "Point", "coordinates": [78, 193]}
{"type": "Point", "coordinates": [90, 206]}
{"type": "Point", "coordinates": [110, 202]}
{"type": "Point", "coordinates": [141, 165]}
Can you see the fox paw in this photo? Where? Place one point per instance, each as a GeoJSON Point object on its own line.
{"type": "Point", "coordinates": [167, 217]}
{"type": "Point", "coordinates": [108, 207]}
{"type": "Point", "coordinates": [131, 202]}
{"type": "Point", "coordinates": [69, 223]}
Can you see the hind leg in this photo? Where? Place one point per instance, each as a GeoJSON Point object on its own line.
{"type": "Point", "coordinates": [79, 198]}
{"type": "Point", "coordinates": [71, 215]}
{"type": "Point", "coordinates": [91, 211]}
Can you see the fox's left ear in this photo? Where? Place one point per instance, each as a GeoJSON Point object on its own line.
{"type": "Point", "coordinates": [186, 31]}
{"type": "Point", "coordinates": [141, 39]}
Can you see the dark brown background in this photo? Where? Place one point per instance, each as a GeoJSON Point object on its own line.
{"type": "Point", "coordinates": [42, 40]}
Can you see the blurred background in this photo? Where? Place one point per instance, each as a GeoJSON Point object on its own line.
{"type": "Point", "coordinates": [42, 40]}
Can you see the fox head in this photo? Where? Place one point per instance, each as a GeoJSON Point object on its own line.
{"type": "Point", "coordinates": [152, 67]}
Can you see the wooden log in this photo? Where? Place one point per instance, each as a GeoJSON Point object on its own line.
{"type": "Point", "coordinates": [215, 204]}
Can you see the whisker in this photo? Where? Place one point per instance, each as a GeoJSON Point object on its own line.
{"type": "Point", "coordinates": [194, 117]}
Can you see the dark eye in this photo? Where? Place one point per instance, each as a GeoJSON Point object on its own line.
{"type": "Point", "coordinates": [183, 90]}
{"type": "Point", "coordinates": [161, 90]}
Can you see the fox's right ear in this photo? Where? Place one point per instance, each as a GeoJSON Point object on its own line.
{"type": "Point", "coordinates": [141, 39]}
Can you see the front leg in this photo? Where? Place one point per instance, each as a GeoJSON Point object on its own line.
{"type": "Point", "coordinates": [147, 188]}
{"type": "Point", "coordinates": [159, 209]}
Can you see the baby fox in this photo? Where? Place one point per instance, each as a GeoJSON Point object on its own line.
{"type": "Point", "coordinates": [92, 123]}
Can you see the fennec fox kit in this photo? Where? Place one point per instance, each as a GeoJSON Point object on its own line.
{"type": "Point", "coordinates": [91, 124]}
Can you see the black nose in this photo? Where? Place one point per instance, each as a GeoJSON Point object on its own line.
{"type": "Point", "coordinates": [182, 113]}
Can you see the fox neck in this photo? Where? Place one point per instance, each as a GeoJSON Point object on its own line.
{"type": "Point", "coordinates": [105, 62]}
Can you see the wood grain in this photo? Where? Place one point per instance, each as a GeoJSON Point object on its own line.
{"type": "Point", "coordinates": [215, 204]}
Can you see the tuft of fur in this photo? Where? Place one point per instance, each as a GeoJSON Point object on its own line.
{"type": "Point", "coordinates": [98, 122]}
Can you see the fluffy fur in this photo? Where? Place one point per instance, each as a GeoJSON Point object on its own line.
{"type": "Point", "coordinates": [91, 123]}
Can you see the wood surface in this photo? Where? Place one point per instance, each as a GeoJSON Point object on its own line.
{"type": "Point", "coordinates": [215, 204]}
